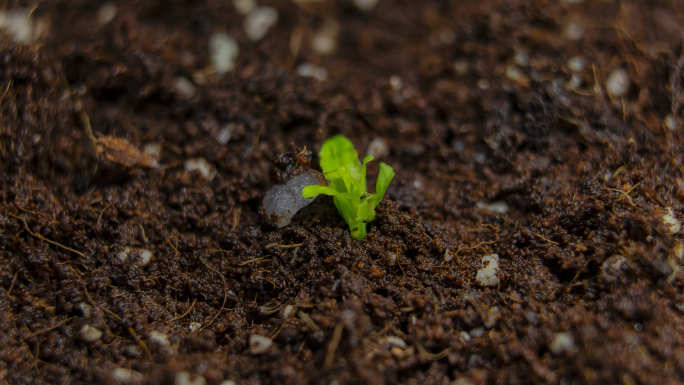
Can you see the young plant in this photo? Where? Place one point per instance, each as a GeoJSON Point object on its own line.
{"type": "Point", "coordinates": [340, 165]}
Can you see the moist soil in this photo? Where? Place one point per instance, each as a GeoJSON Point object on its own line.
{"type": "Point", "coordinates": [586, 184]}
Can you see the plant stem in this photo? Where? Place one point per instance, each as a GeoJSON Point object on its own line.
{"type": "Point", "coordinates": [358, 229]}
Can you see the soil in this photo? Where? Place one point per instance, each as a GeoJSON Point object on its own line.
{"type": "Point", "coordinates": [589, 188]}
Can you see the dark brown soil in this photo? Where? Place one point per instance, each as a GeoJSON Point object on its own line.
{"type": "Point", "coordinates": [589, 180]}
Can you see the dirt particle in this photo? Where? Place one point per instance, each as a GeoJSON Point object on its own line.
{"type": "Point", "coordinates": [611, 268]}
{"type": "Point", "coordinates": [672, 224]}
{"type": "Point", "coordinates": [127, 376]}
{"type": "Point", "coordinates": [259, 21]}
{"type": "Point", "coordinates": [244, 7]}
{"type": "Point", "coordinates": [377, 148]}
{"type": "Point", "coordinates": [206, 169]}
{"type": "Point", "coordinates": [617, 83]}
{"type": "Point", "coordinates": [223, 51]}
{"type": "Point", "coordinates": [562, 343]}
{"type": "Point", "coordinates": [186, 378]}
{"type": "Point", "coordinates": [487, 275]}
{"type": "Point", "coordinates": [90, 334]}
{"type": "Point", "coordinates": [106, 13]}
{"type": "Point", "coordinates": [309, 70]}
{"type": "Point", "coordinates": [259, 344]}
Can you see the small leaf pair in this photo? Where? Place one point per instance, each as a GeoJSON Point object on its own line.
{"type": "Point", "coordinates": [347, 176]}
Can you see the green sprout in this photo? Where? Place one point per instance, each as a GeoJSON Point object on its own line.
{"type": "Point", "coordinates": [340, 165]}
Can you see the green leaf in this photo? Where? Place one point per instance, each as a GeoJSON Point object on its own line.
{"type": "Point", "coordinates": [384, 178]}
{"type": "Point", "coordinates": [313, 191]}
{"type": "Point", "coordinates": [338, 153]}
{"type": "Point", "coordinates": [347, 176]}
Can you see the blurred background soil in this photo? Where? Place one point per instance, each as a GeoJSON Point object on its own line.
{"type": "Point", "coordinates": [132, 248]}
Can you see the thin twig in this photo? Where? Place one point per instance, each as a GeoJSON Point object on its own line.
{"type": "Point", "coordinates": [334, 342]}
{"type": "Point", "coordinates": [432, 356]}
{"type": "Point", "coordinates": [283, 246]}
{"type": "Point", "coordinates": [48, 328]}
{"type": "Point", "coordinates": [42, 238]}
{"type": "Point", "coordinates": [142, 343]}
{"type": "Point", "coordinates": [546, 239]}
{"type": "Point", "coordinates": [184, 314]}
{"type": "Point", "coordinates": [305, 317]}
{"type": "Point", "coordinates": [225, 293]}
{"type": "Point", "coordinates": [12, 285]}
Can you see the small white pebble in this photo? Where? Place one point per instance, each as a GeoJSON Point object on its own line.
{"type": "Point", "coordinates": [390, 341]}
{"type": "Point", "coordinates": [145, 257]}
{"type": "Point", "coordinates": [671, 122]}
{"type": "Point", "coordinates": [395, 82]}
{"type": "Point", "coordinates": [324, 44]}
{"type": "Point", "coordinates": [392, 259]}
{"type": "Point", "coordinates": [106, 13]}
{"type": "Point", "coordinates": [477, 332]}
{"type": "Point", "coordinates": [184, 87]}
{"type": "Point", "coordinates": [483, 84]}
{"type": "Point", "coordinates": [461, 67]}
{"type": "Point", "coordinates": [448, 255]}
{"type": "Point", "coordinates": [185, 378]}
{"type": "Point", "coordinates": [194, 326]}
{"type": "Point", "coordinates": [21, 26]}
{"type": "Point", "coordinates": [223, 51]}
{"type": "Point", "coordinates": [324, 41]}
{"type": "Point", "coordinates": [617, 83]}
{"type": "Point", "coordinates": [365, 5]}
{"type": "Point", "coordinates": [160, 338]}
{"type": "Point", "coordinates": [521, 59]}
{"type": "Point", "coordinates": [224, 134]}
{"type": "Point", "coordinates": [205, 169]}
{"type": "Point", "coordinates": [377, 148]}
{"type": "Point", "coordinates": [465, 336]}
{"type": "Point", "coordinates": [514, 73]}
{"type": "Point", "coordinates": [611, 268]}
{"type": "Point", "coordinates": [123, 254]}
{"type": "Point", "coordinates": [126, 376]}
{"type": "Point", "coordinates": [259, 344]}
{"type": "Point", "coordinates": [244, 7]}
{"type": "Point", "coordinates": [493, 316]}
{"type": "Point", "coordinates": [289, 311]}
{"type": "Point", "coordinates": [576, 63]}
{"type": "Point", "coordinates": [672, 224]}
{"type": "Point", "coordinates": [562, 343]}
{"type": "Point", "coordinates": [228, 382]}
{"type": "Point", "coordinates": [487, 275]}
{"type": "Point", "coordinates": [498, 207]}
{"type": "Point", "coordinates": [90, 334]}
{"type": "Point", "coordinates": [574, 83]}
{"type": "Point", "coordinates": [309, 70]}
{"type": "Point", "coordinates": [417, 184]}
{"type": "Point", "coordinates": [85, 309]}
{"type": "Point", "coordinates": [574, 31]}
{"type": "Point", "coordinates": [153, 149]}
{"type": "Point", "coordinates": [259, 21]}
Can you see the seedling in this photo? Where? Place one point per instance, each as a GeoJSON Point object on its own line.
{"type": "Point", "coordinates": [340, 165]}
